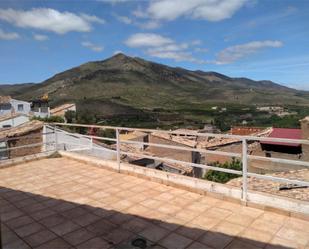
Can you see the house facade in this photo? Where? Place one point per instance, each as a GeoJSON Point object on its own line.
{"type": "Point", "coordinates": [25, 134]}
{"type": "Point", "coordinates": [9, 105]}
{"type": "Point", "coordinates": [13, 120]}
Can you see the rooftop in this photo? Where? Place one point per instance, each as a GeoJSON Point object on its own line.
{"type": "Point", "coordinates": [62, 108]}
{"type": "Point", "coordinates": [5, 99]}
{"type": "Point", "coordinates": [284, 133]}
{"type": "Point", "coordinates": [11, 116]}
{"type": "Point", "coordinates": [62, 203]}
{"type": "Point", "coordinates": [21, 129]}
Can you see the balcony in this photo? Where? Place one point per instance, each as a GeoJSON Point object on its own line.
{"type": "Point", "coordinates": [87, 196]}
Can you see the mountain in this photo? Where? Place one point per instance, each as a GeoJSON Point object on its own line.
{"type": "Point", "coordinates": [123, 84]}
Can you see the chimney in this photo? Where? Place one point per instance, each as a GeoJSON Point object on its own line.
{"type": "Point", "coordinates": [304, 123]}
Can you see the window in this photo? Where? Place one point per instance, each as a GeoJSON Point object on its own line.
{"type": "Point", "coordinates": [20, 107]}
{"type": "Point", "coordinates": [6, 126]}
{"type": "Point", "coordinates": [3, 152]}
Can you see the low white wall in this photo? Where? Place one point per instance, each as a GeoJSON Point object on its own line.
{"type": "Point", "coordinates": [14, 121]}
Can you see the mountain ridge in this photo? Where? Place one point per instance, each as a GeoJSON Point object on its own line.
{"type": "Point", "coordinates": [138, 84]}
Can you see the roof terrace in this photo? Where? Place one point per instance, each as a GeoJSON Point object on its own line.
{"type": "Point", "coordinates": [83, 193]}
{"type": "Point", "coordinates": [64, 203]}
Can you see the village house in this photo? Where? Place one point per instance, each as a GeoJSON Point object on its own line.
{"type": "Point", "coordinates": [12, 120]}
{"type": "Point", "coordinates": [61, 110]}
{"type": "Point", "coordinates": [9, 106]}
{"type": "Point", "coordinates": [40, 108]}
{"type": "Point", "coordinates": [24, 134]}
{"type": "Point", "coordinates": [151, 150]}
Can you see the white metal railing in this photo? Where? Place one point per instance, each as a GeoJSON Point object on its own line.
{"type": "Point", "coordinates": [241, 139]}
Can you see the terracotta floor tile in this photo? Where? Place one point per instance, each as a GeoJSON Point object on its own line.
{"type": "Point", "coordinates": [74, 212]}
{"type": "Point", "coordinates": [240, 219]}
{"type": "Point", "coordinates": [255, 237]}
{"type": "Point", "coordinates": [215, 240]}
{"type": "Point", "coordinates": [56, 243]}
{"type": "Point", "coordinates": [198, 207]}
{"type": "Point", "coordinates": [95, 243]}
{"type": "Point", "coordinates": [191, 232]}
{"type": "Point", "coordinates": [186, 214]}
{"type": "Point", "coordinates": [228, 228]}
{"type": "Point", "coordinates": [205, 222]}
{"type": "Point", "coordinates": [19, 221]}
{"type": "Point", "coordinates": [301, 237]}
{"type": "Point", "coordinates": [273, 217]}
{"type": "Point", "coordinates": [68, 195]}
{"type": "Point", "coordinates": [119, 218]}
{"type": "Point", "coordinates": [40, 238]}
{"type": "Point", "coordinates": [86, 219]}
{"type": "Point", "coordinates": [78, 236]}
{"type": "Point", "coordinates": [266, 226]}
{"type": "Point", "coordinates": [154, 233]}
{"type": "Point", "coordinates": [41, 214]}
{"type": "Point", "coordinates": [17, 244]}
{"type": "Point", "coordinates": [29, 229]}
{"type": "Point", "coordinates": [53, 220]}
{"type": "Point", "coordinates": [217, 213]}
{"type": "Point", "coordinates": [101, 227]}
{"type": "Point", "coordinates": [151, 203]}
{"type": "Point", "coordinates": [197, 245]}
{"type": "Point", "coordinates": [117, 236]}
{"type": "Point", "coordinates": [279, 243]}
{"type": "Point", "coordinates": [175, 241]}
{"type": "Point", "coordinates": [239, 244]}
{"type": "Point", "coordinates": [8, 236]}
{"type": "Point", "coordinates": [11, 215]}
{"type": "Point", "coordinates": [65, 227]}
{"type": "Point", "coordinates": [136, 225]}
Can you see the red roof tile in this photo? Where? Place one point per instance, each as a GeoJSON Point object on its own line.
{"type": "Point", "coordinates": [284, 133]}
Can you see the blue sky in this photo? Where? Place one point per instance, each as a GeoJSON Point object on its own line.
{"type": "Point", "coordinates": [254, 38]}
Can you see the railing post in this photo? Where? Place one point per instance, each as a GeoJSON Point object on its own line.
{"type": "Point", "coordinates": [91, 143]}
{"type": "Point", "coordinates": [244, 169]}
{"type": "Point", "coordinates": [118, 148]}
{"type": "Point", "coordinates": [56, 139]}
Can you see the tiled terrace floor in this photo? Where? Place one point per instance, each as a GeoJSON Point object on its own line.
{"type": "Point", "coordinates": [60, 203]}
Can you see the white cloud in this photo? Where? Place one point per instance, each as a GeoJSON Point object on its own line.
{"type": "Point", "coordinates": [93, 47]}
{"type": "Point", "coordinates": [123, 19]}
{"type": "Point", "coordinates": [162, 47]}
{"type": "Point", "coordinates": [211, 10]}
{"type": "Point", "coordinates": [114, 1]}
{"type": "Point", "coordinates": [196, 42]}
{"type": "Point", "coordinates": [201, 50]}
{"type": "Point", "coordinates": [147, 40]}
{"type": "Point", "coordinates": [233, 53]}
{"type": "Point", "coordinates": [92, 18]}
{"type": "Point", "coordinates": [39, 37]}
{"type": "Point", "coordinates": [152, 24]}
{"type": "Point", "coordinates": [49, 19]}
{"type": "Point", "coordinates": [8, 36]}
{"type": "Point", "coordinates": [169, 48]}
{"type": "Point", "coordinates": [139, 12]}
{"type": "Point", "coordinates": [117, 52]}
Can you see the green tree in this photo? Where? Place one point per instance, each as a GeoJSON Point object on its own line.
{"type": "Point", "coordinates": [70, 116]}
{"type": "Point", "coordinates": [222, 177]}
{"type": "Point", "coordinates": [51, 119]}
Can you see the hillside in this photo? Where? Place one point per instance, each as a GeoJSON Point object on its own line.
{"type": "Point", "coordinates": [127, 85]}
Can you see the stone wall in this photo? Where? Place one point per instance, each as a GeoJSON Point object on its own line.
{"type": "Point", "coordinates": [32, 137]}
{"type": "Point", "coordinates": [181, 155]}
{"type": "Point", "coordinates": [305, 135]}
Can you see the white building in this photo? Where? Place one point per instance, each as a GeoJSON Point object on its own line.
{"type": "Point", "coordinates": [9, 106]}
{"type": "Point", "coordinates": [13, 120]}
